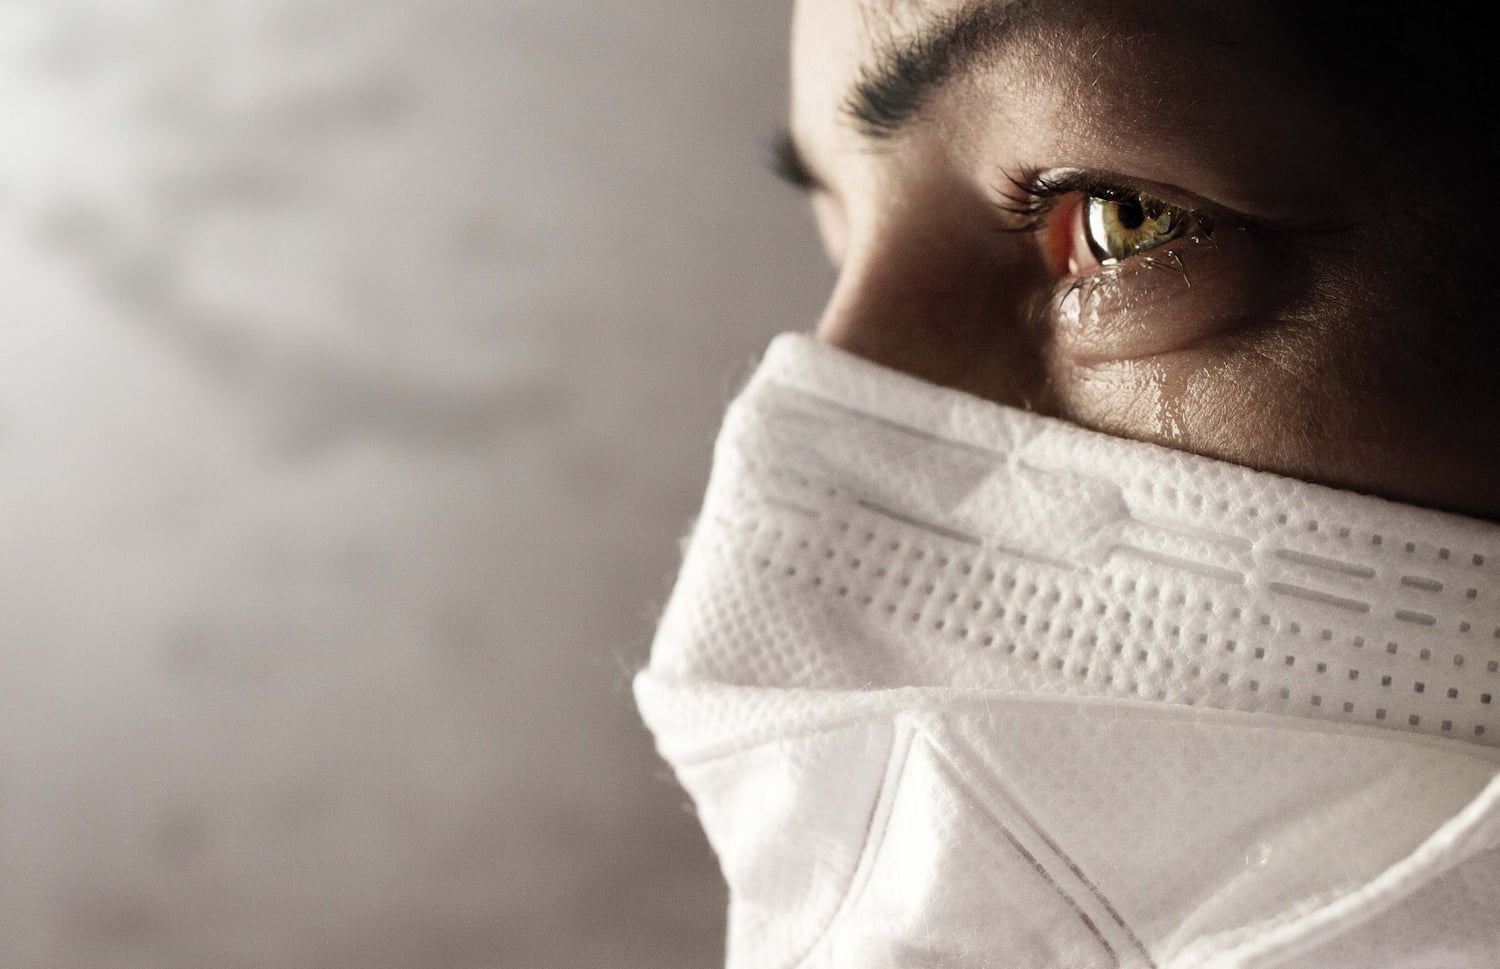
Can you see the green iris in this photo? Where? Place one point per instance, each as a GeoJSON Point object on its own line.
{"type": "Point", "coordinates": [1118, 229]}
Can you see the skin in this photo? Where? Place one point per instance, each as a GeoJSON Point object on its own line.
{"type": "Point", "coordinates": [1335, 325]}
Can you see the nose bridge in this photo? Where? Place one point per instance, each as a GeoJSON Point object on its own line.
{"type": "Point", "coordinates": [949, 310]}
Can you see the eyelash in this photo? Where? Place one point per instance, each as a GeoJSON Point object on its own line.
{"type": "Point", "coordinates": [785, 161]}
{"type": "Point", "coordinates": [1033, 196]}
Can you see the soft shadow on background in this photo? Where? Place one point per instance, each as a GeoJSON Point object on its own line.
{"type": "Point", "coordinates": [361, 361]}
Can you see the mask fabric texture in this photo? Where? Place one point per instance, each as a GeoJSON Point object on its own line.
{"type": "Point", "coordinates": [954, 685]}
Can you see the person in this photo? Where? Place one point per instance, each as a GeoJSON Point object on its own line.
{"type": "Point", "coordinates": [1325, 332]}
{"type": "Point", "coordinates": [1111, 580]}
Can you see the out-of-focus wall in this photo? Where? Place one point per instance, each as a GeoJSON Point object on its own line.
{"type": "Point", "coordinates": [359, 363]}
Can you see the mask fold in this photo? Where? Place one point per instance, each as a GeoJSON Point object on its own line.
{"type": "Point", "coordinates": [956, 685]}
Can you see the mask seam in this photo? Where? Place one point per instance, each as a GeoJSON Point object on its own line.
{"type": "Point", "coordinates": [876, 830]}
{"type": "Point", "coordinates": [897, 701]}
{"type": "Point", "coordinates": [964, 780]}
{"type": "Point", "coordinates": [741, 748]}
{"type": "Point", "coordinates": [1246, 948]}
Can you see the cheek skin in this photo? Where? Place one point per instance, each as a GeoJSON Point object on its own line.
{"type": "Point", "coordinates": [1215, 346]}
{"type": "Point", "coordinates": [1190, 293]}
{"type": "Point", "coordinates": [1129, 398]}
{"type": "Point", "coordinates": [1232, 407]}
{"type": "Point", "coordinates": [1329, 396]}
{"type": "Point", "coordinates": [1175, 345]}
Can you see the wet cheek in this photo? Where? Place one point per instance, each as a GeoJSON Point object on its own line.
{"type": "Point", "coordinates": [1167, 301]}
{"type": "Point", "coordinates": [1191, 346]}
{"type": "Point", "coordinates": [1131, 398]}
{"type": "Point", "coordinates": [1231, 406]}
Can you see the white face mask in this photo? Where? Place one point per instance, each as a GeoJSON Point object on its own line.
{"type": "Point", "coordinates": [957, 686]}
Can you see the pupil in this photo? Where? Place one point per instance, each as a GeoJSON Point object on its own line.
{"type": "Point", "coordinates": [1130, 214]}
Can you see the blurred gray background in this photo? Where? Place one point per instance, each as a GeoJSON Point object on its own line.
{"type": "Point", "coordinates": [359, 364]}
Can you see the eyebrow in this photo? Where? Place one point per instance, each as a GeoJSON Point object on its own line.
{"type": "Point", "coordinates": [906, 73]}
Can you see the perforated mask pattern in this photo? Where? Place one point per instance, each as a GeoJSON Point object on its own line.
{"type": "Point", "coordinates": [956, 685]}
{"type": "Point", "coordinates": [979, 546]}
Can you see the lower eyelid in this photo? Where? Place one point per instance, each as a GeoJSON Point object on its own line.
{"type": "Point", "coordinates": [1168, 299]}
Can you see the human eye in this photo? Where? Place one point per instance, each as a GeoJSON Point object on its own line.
{"type": "Point", "coordinates": [1118, 228]}
{"type": "Point", "coordinates": [1087, 221]}
{"type": "Point", "coordinates": [1137, 268]}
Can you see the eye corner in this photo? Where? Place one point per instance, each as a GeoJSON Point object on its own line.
{"type": "Point", "coordinates": [788, 163]}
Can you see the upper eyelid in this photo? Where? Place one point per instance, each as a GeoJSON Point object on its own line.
{"type": "Point", "coordinates": [1035, 192]}
{"type": "Point", "coordinates": [1033, 195]}
{"type": "Point", "coordinates": [1032, 184]}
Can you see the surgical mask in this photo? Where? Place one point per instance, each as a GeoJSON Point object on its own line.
{"type": "Point", "coordinates": [954, 685]}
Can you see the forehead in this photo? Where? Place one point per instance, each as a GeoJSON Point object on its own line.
{"type": "Point", "coordinates": [887, 88]}
{"type": "Point", "coordinates": [881, 21]}
{"type": "Point", "coordinates": [833, 41]}
{"type": "Point", "coordinates": [838, 43]}
{"type": "Point", "coordinates": [901, 12]}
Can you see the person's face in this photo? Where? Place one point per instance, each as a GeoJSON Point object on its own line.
{"type": "Point", "coordinates": [1185, 223]}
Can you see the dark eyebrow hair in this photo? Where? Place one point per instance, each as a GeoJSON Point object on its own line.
{"type": "Point", "coordinates": [892, 90]}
